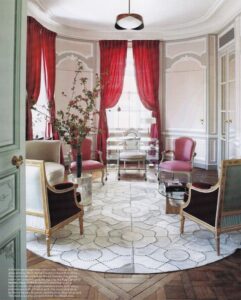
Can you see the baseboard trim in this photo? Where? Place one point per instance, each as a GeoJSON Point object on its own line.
{"type": "Point", "coordinates": [206, 167]}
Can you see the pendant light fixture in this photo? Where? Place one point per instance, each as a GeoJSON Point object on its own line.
{"type": "Point", "coordinates": [129, 21]}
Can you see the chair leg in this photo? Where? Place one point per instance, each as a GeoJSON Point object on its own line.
{"type": "Point", "coordinates": [118, 167]}
{"type": "Point", "coordinates": [106, 173]}
{"type": "Point", "coordinates": [81, 227]}
{"type": "Point", "coordinates": [217, 239]}
{"type": "Point", "coordinates": [158, 173]}
{"type": "Point", "coordinates": [182, 221]}
{"type": "Point", "coordinates": [102, 176]}
{"type": "Point", "coordinates": [48, 243]}
{"type": "Point", "coordinates": [144, 162]}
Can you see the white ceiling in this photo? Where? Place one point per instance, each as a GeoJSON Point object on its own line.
{"type": "Point", "coordinates": [163, 19]}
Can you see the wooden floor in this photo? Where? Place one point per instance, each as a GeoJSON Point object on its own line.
{"type": "Point", "coordinates": [220, 280]}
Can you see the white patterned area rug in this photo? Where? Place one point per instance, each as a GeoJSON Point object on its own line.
{"type": "Point", "coordinates": [126, 230]}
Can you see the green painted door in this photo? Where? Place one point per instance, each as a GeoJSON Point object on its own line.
{"type": "Point", "coordinates": [12, 136]}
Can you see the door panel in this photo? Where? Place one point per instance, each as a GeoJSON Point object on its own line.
{"type": "Point", "coordinates": [228, 124]}
{"type": "Point", "coordinates": [12, 136]}
{"type": "Point", "coordinates": [7, 196]}
{"type": "Point", "coordinates": [10, 260]}
{"type": "Point", "coordinates": [7, 64]}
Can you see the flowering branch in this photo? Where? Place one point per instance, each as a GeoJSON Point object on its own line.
{"type": "Point", "coordinates": [77, 121]}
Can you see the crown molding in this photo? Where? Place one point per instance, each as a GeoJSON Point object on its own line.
{"type": "Point", "coordinates": [218, 16]}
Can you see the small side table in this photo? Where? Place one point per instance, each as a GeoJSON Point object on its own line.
{"type": "Point", "coordinates": [84, 187]}
{"type": "Point", "coordinates": [174, 199]}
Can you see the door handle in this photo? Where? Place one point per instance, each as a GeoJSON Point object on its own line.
{"type": "Point", "coordinates": [17, 161]}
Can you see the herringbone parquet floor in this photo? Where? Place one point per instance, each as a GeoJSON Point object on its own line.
{"type": "Point", "coordinates": [218, 281]}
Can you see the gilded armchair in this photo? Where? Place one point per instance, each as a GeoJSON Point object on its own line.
{"type": "Point", "coordinates": [183, 156]}
{"type": "Point", "coordinates": [50, 203]}
{"type": "Point", "coordinates": [49, 208]}
{"type": "Point", "coordinates": [217, 208]}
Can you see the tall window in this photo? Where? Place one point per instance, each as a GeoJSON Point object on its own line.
{"type": "Point", "coordinates": [41, 113]}
{"type": "Point", "coordinates": [129, 112]}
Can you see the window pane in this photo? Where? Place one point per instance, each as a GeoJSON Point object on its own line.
{"type": "Point", "coordinates": [124, 119]}
{"type": "Point", "coordinates": [112, 117]}
{"type": "Point", "coordinates": [129, 111]}
{"type": "Point", "coordinates": [223, 97]}
{"type": "Point", "coordinates": [223, 69]}
{"type": "Point", "coordinates": [40, 116]}
{"type": "Point", "coordinates": [123, 103]}
{"type": "Point", "coordinates": [231, 66]}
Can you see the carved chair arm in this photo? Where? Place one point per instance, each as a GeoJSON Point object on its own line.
{"type": "Point", "coordinates": [193, 156]}
{"type": "Point", "coordinates": [99, 153]}
{"type": "Point", "coordinates": [203, 187]}
{"type": "Point", "coordinates": [200, 195]}
{"type": "Point", "coordinates": [165, 152]}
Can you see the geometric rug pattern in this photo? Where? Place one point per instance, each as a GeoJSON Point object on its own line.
{"type": "Point", "coordinates": [126, 230]}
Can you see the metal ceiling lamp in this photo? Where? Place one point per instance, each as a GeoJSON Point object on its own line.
{"type": "Point", "coordinates": [129, 21]}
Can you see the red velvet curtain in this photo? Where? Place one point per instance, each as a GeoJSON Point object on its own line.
{"type": "Point", "coordinates": [49, 62]}
{"type": "Point", "coordinates": [33, 71]}
{"type": "Point", "coordinates": [146, 58]}
{"type": "Point", "coordinates": [112, 69]}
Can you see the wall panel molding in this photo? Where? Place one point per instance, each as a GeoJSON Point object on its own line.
{"type": "Point", "coordinates": [196, 47]}
{"type": "Point", "coordinates": [170, 63]}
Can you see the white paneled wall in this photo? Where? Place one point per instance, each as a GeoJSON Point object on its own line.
{"type": "Point", "coordinates": [185, 96]}
{"type": "Point", "coordinates": [186, 102]}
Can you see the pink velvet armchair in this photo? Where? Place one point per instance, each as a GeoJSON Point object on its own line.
{"type": "Point", "coordinates": [88, 165]}
{"type": "Point", "coordinates": [183, 155]}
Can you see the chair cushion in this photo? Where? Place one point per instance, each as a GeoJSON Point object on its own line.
{"type": "Point", "coordinates": [133, 155]}
{"type": "Point", "coordinates": [176, 165]}
{"type": "Point", "coordinates": [54, 173]}
{"type": "Point", "coordinates": [87, 165]}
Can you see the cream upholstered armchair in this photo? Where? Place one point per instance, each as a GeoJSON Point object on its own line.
{"type": "Point", "coordinates": [50, 203]}
{"type": "Point", "coordinates": [49, 152]}
{"type": "Point", "coordinates": [218, 207]}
